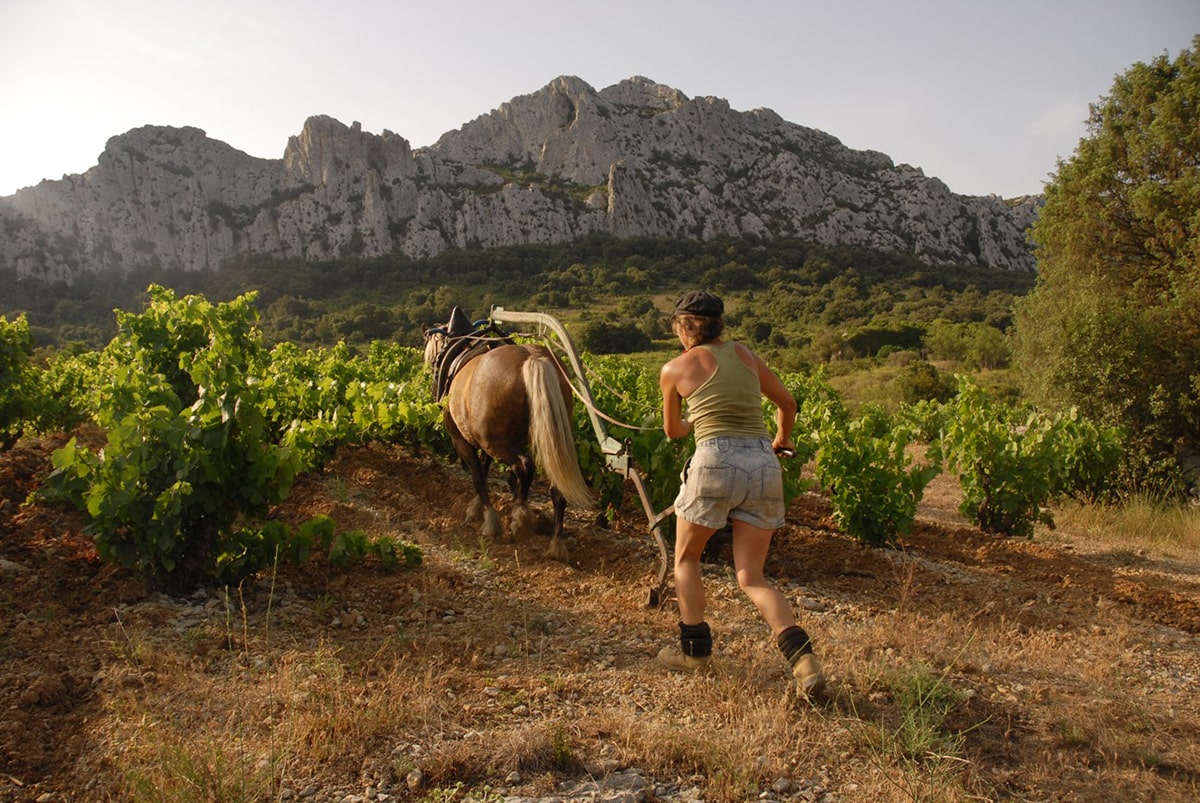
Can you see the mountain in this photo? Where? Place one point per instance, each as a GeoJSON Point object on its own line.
{"type": "Point", "coordinates": [635, 159]}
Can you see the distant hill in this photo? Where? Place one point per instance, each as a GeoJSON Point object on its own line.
{"type": "Point", "coordinates": [635, 159]}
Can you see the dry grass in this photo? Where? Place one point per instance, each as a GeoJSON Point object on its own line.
{"type": "Point", "coordinates": [901, 716]}
{"type": "Point", "coordinates": [1137, 523]}
{"type": "Point", "coordinates": [962, 667]}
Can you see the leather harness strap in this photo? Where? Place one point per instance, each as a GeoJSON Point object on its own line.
{"type": "Point", "coordinates": [458, 351]}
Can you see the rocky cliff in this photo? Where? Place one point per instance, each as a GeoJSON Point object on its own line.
{"type": "Point", "coordinates": [637, 158]}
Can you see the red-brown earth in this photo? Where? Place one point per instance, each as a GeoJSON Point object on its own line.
{"type": "Point", "coordinates": [1078, 672]}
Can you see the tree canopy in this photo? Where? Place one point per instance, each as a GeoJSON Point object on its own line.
{"type": "Point", "coordinates": [1113, 322]}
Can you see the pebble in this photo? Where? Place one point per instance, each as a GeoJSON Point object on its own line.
{"type": "Point", "coordinates": [628, 785]}
{"type": "Point", "coordinates": [10, 568]}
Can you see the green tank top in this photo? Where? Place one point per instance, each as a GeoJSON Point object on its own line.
{"type": "Point", "coordinates": [729, 404]}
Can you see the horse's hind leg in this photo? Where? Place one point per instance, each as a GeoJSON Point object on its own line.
{"type": "Point", "coordinates": [557, 550]}
{"type": "Point", "coordinates": [480, 507]}
{"type": "Point", "coordinates": [521, 479]}
{"type": "Point", "coordinates": [476, 507]}
{"type": "Point", "coordinates": [492, 528]}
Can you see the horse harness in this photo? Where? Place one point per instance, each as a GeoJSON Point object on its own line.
{"type": "Point", "coordinates": [459, 349]}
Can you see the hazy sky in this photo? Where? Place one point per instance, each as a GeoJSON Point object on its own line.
{"type": "Point", "coordinates": [984, 94]}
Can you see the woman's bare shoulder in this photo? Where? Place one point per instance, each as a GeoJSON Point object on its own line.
{"type": "Point", "coordinates": [746, 355]}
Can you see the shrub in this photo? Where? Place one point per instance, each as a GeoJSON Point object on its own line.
{"type": "Point", "coordinates": [1012, 462]}
{"type": "Point", "coordinates": [874, 484]}
{"type": "Point", "coordinates": [188, 471]}
{"type": "Point", "coordinates": [16, 383]}
{"type": "Point", "coordinates": [601, 337]}
{"type": "Point", "coordinates": [921, 381]}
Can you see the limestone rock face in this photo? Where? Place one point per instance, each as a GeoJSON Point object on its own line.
{"type": "Point", "coordinates": [634, 159]}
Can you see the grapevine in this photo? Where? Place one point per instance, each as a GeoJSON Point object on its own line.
{"type": "Point", "coordinates": [873, 482]}
{"type": "Point", "coordinates": [206, 429]}
{"type": "Point", "coordinates": [1011, 463]}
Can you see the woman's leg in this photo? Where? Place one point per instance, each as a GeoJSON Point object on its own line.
{"type": "Point", "coordinates": [690, 540]}
{"type": "Point", "coordinates": [750, 545]}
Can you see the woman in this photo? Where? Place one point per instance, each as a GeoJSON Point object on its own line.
{"type": "Point", "coordinates": [733, 475]}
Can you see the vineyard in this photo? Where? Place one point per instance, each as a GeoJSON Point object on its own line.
{"type": "Point", "coordinates": [205, 429]}
{"type": "Point", "coordinates": [300, 510]}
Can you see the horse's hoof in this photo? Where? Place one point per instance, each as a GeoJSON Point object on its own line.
{"type": "Point", "coordinates": [491, 525]}
{"type": "Point", "coordinates": [522, 522]}
{"type": "Point", "coordinates": [558, 551]}
{"type": "Point", "coordinates": [475, 510]}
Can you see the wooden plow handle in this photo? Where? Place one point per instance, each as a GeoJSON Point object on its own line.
{"type": "Point", "coordinates": [615, 455]}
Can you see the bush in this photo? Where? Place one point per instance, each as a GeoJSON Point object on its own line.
{"type": "Point", "coordinates": [602, 337]}
{"type": "Point", "coordinates": [873, 483]}
{"type": "Point", "coordinates": [1011, 463]}
{"type": "Point", "coordinates": [921, 381]}
{"type": "Point", "coordinates": [180, 488]}
{"type": "Point", "coordinates": [16, 380]}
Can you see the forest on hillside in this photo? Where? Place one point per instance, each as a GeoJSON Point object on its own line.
{"type": "Point", "coordinates": [800, 303]}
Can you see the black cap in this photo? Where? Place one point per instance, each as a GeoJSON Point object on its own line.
{"type": "Point", "coordinates": [700, 302]}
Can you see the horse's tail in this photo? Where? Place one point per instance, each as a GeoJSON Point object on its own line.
{"type": "Point", "coordinates": [551, 431]}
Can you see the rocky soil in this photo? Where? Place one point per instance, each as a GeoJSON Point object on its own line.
{"type": "Point", "coordinates": [493, 673]}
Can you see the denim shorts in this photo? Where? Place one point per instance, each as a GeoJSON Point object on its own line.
{"type": "Point", "coordinates": [732, 478]}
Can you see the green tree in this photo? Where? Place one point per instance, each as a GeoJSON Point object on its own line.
{"type": "Point", "coordinates": [1113, 323]}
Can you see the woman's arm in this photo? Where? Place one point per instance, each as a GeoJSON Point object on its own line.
{"type": "Point", "coordinates": [785, 404]}
{"type": "Point", "coordinates": [674, 424]}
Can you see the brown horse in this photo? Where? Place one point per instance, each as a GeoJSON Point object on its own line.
{"type": "Point", "coordinates": [512, 403]}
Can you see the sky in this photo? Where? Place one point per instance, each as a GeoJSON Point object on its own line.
{"type": "Point", "coordinates": [986, 95]}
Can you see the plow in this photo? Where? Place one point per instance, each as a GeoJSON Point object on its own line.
{"type": "Point", "coordinates": [616, 453]}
